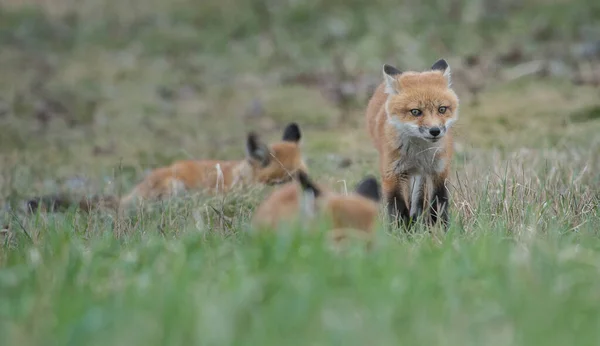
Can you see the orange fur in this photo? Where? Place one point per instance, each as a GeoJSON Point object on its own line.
{"type": "Point", "coordinates": [347, 213]}
{"type": "Point", "coordinates": [263, 165]}
{"type": "Point", "coordinates": [412, 133]}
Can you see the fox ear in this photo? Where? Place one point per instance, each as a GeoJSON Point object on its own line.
{"type": "Point", "coordinates": [257, 150]}
{"type": "Point", "coordinates": [389, 75]}
{"type": "Point", "coordinates": [307, 184]}
{"type": "Point", "coordinates": [292, 133]}
{"type": "Point", "coordinates": [442, 65]}
{"type": "Point", "coordinates": [369, 188]}
{"type": "Point", "coordinates": [310, 192]}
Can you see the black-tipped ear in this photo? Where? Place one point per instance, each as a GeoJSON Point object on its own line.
{"type": "Point", "coordinates": [369, 188]}
{"type": "Point", "coordinates": [292, 133]}
{"type": "Point", "coordinates": [389, 76]}
{"type": "Point", "coordinates": [440, 65]}
{"type": "Point", "coordinates": [391, 70]}
{"type": "Point", "coordinates": [257, 150]}
{"type": "Point", "coordinates": [307, 184]}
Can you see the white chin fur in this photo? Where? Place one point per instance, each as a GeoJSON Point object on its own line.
{"type": "Point", "coordinates": [405, 128]}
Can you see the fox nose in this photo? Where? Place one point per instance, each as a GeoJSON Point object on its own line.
{"type": "Point", "coordinates": [434, 131]}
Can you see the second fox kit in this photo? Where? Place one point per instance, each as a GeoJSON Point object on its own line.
{"type": "Point", "coordinates": [409, 119]}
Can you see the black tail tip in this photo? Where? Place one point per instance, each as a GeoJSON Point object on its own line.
{"type": "Point", "coordinates": [38, 202]}
{"type": "Point", "coordinates": [369, 188]}
{"type": "Point", "coordinates": [48, 203]}
{"type": "Point", "coordinates": [306, 183]}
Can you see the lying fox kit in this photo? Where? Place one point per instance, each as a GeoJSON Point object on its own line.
{"type": "Point", "coordinates": [409, 119]}
{"type": "Point", "coordinates": [263, 164]}
{"type": "Point", "coordinates": [354, 212]}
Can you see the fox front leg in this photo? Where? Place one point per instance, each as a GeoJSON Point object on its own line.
{"type": "Point", "coordinates": [440, 203]}
{"type": "Point", "coordinates": [417, 188]}
{"type": "Point", "coordinates": [396, 204]}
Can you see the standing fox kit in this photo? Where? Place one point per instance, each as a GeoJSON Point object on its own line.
{"type": "Point", "coordinates": [409, 119]}
{"type": "Point", "coordinates": [304, 199]}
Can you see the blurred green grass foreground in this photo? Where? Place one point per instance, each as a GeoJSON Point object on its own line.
{"type": "Point", "coordinates": [93, 93]}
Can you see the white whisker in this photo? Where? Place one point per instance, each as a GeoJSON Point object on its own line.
{"type": "Point", "coordinates": [437, 148]}
{"type": "Point", "coordinates": [435, 154]}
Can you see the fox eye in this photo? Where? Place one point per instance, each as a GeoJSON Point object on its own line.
{"type": "Point", "coordinates": [416, 112]}
{"type": "Point", "coordinates": [442, 109]}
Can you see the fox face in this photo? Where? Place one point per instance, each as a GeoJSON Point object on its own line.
{"type": "Point", "coordinates": [421, 104]}
{"type": "Point", "coordinates": [277, 163]}
{"type": "Point", "coordinates": [303, 198]}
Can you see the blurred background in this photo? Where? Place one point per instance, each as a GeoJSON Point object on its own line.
{"type": "Point", "coordinates": [94, 93]}
{"type": "Point", "coordinates": [91, 87]}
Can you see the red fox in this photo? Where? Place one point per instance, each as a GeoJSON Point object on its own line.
{"type": "Point", "coordinates": [263, 164]}
{"type": "Point", "coordinates": [354, 212]}
{"type": "Point", "coordinates": [409, 119]}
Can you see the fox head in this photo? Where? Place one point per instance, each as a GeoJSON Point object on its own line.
{"type": "Point", "coordinates": [276, 163]}
{"type": "Point", "coordinates": [355, 211]}
{"type": "Point", "coordinates": [421, 104]}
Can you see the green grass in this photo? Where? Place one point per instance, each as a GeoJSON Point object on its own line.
{"type": "Point", "coordinates": [465, 289]}
{"type": "Point", "coordinates": [93, 95]}
{"type": "Point", "coordinates": [517, 267]}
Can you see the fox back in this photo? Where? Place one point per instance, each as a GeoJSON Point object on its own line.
{"type": "Point", "coordinates": [304, 199]}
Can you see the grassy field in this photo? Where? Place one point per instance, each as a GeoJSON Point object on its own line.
{"type": "Point", "coordinates": [95, 93]}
